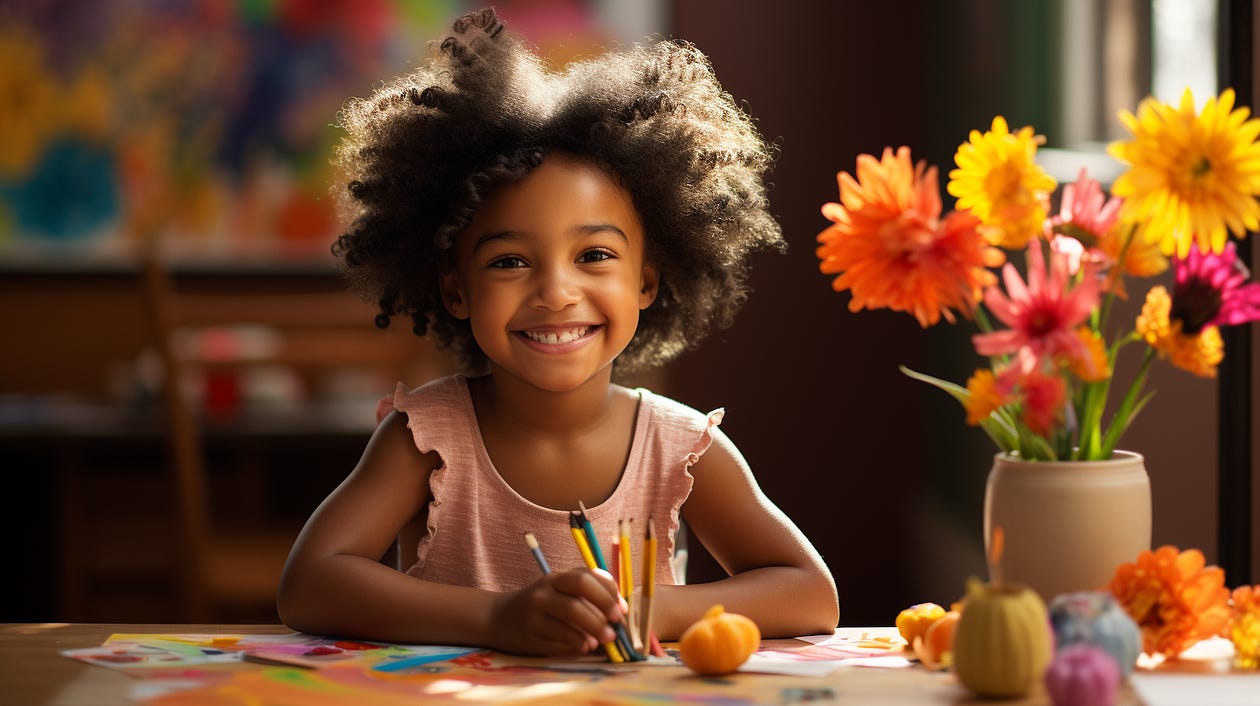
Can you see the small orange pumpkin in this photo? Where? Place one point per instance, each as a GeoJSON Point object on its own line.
{"type": "Point", "coordinates": [914, 621]}
{"type": "Point", "coordinates": [719, 642]}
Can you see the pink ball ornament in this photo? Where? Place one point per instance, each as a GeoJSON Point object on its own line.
{"type": "Point", "coordinates": [1082, 675]}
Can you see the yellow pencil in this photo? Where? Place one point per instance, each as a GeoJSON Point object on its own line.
{"type": "Point", "coordinates": [627, 573]}
{"type": "Point", "coordinates": [627, 581]}
{"type": "Point", "coordinates": [579, 537]}
{"type": "Point", "coordinates": [649, 583]}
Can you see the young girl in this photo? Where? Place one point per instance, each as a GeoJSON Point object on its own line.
{"type": "Point", "coordinates": [548, 229]}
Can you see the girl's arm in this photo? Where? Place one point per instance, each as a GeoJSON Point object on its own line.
{"type": "Point", "coordinates": [334, 583]}
{"type": "Point", "coordinates": [777, 578]}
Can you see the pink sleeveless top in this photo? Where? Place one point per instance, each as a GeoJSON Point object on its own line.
{"type": "Point", "coordinates": [477, 522]}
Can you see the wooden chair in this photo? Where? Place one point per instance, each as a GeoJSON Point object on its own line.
{"type": "Point", "coordinates": [230, 571]}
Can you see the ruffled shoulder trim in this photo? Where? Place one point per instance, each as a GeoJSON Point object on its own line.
{"type": "Point", "coordinates": [434, 410]}
{"type": "Point", "coordinates": [693, 430]}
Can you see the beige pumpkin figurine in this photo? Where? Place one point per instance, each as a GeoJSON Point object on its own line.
{"type": "Point", "coordinates": [719, 642]}
{"type": "Point", "coordinates": [1002, 644]}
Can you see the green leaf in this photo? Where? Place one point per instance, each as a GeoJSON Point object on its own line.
{"type": "Point", "coordinates": [999, 429]}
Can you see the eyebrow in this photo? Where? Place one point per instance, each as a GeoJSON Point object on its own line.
{"type": "Point", "coordinates": [589, 229]}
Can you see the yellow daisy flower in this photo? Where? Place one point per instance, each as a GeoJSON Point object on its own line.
{"type": "Point", "coordinates": [998, 180]}
{"type": "Point", "coordinates": [1190, 177]}
{"type": "Point", "coordinates": [1199, 353]}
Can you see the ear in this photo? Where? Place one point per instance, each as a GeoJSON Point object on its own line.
{"type": "Point", "coordinates": [453, 294]}
{"type": "Point", "coordinates": [650, 281]}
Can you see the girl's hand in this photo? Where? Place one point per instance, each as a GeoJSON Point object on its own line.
{"type": "Point", "coordinates": [562, 613]}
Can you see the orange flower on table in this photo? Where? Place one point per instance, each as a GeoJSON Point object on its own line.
{"type": "Point", "coordinates": [1173, 597]}
{"type": "Point", "coordinates": [1244, 627]}
{"type": "Point", "coordinates": [891, 249]}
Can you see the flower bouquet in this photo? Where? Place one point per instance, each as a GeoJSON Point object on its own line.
{"type": "Point", "coordinates": [1191, 181]}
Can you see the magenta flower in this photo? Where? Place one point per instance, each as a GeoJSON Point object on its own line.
{"type": "Point", "coordinates": [1210, 291]}
{"type": "Point", "coordinates": [1043, 314]}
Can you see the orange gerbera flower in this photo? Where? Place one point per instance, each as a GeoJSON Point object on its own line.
{"type": "Point", "coordinates": [891, 248]}
{"type": "Point", "coordinates": [984, 398]}
{"type": "Point", "coordinates": [1244, 627]}
{"type": "Point", "coordinates": [1091, 365]}
{"type": "Point", "coordinates": [1198, 353]}
{"type": "Point", "coordinates": [1173, 597]}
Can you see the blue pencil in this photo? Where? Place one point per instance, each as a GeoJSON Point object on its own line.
{"type": "Point", "coordinates": [397, 665]}
{"type": "Point", "coordinates": [537, 551]}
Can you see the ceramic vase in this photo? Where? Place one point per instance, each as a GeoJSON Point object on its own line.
{"type": "Point", "coordinates": [1068, 524]}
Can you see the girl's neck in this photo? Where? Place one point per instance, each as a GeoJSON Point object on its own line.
{"type": "Point", "coordinates": [504, 399]}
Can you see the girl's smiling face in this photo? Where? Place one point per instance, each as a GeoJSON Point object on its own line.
{"type": "Point", "coordinates": [551, 275]}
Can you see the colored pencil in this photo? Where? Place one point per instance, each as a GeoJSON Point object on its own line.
{"type": "Point", "coordinates": [614, 567]}
{"type": "Point", "coordinates": [649, 582]}
{"type": "Point", "coordinates": [590, 538]}
{"type": "Point", "coordinates": [627, 570]}
{"type": "Point", "coordinates": [537, 551]}
{"type": "Point", "coordinates": [579, 537]}
{"type": "Point", "coordinates": [592, 542]}
{"type": "Point", "coordinates": [588, 556]}
{"type": "Point", "coordinates": [626, 582]}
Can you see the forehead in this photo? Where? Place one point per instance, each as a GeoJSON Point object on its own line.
{"type": "Point", "coordinates": [564, 192]}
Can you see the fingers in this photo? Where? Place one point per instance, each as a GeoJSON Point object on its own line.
{"type": "Point", "coordinates": [561, 613]}
{"type": "Point", "coordinates": [596, 586]}
{"type": "Point", "coordinates": [586, 602]}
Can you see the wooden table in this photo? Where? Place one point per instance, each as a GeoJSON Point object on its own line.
{"type": "Point", "coordinates": [33, 672]}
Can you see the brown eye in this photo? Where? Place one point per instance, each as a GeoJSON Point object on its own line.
{"type": "Point", "coordinates": [595, 256]}
{"type": "Point", "coordinates": [506, 262]}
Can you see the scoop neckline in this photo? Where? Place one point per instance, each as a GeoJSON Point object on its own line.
{"type": "Point", "coordinates": [593, 512]}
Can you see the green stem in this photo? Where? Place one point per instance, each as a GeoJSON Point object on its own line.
{"type": "Point", "coordinates": [982, 319]}
{"type": "Point", "coordinates": [1128, 407]}
{"type": "Point", "coordinates": [1110, 298]}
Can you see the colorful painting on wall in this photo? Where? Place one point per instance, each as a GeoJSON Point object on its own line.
{"type": "Point", "coordinates": [207, 124]}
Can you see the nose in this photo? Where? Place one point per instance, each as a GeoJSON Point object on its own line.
{"type": "Point", "coordinates": [556, 288]}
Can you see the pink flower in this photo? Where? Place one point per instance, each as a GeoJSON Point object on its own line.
{"type": "Point", "coordinates": [1043, 314]}
{"type": "Point", "coordinates": [1209, 291]}
{"type": "Point", "coordinates": [1086, 213]}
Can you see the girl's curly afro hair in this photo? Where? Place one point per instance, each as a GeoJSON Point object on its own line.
{"type": "Point", "coordinates": [424, 151]}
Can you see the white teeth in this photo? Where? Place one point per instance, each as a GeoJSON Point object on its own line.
{"type": "Point", "coordinates": [554, 337]}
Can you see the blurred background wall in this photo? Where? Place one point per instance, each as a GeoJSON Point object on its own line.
{"type": "Point", "coordinates": [206, 128]}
